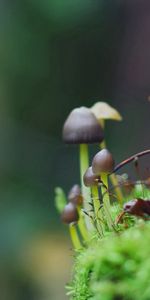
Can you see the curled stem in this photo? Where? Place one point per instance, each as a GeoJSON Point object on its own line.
{"type": "Point", "coordinates": [131, 158]}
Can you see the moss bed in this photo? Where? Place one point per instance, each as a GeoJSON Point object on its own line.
{"type": "Point", "coordinates": [115, 268]}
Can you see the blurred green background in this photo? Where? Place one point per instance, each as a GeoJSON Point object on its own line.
{"type": "Point", "coordinates": [56, 55]}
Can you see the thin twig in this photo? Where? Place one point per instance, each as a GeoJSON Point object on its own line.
{"type": "Point", "coordinates": [131, 158]}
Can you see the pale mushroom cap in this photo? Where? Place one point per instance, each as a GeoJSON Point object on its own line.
{"type": "Point", "coordinates": [82, 127]}
{"type": "Point", "coordinates": [103, 111]}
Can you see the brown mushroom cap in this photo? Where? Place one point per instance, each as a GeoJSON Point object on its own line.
{"type": "Point", "coordinates": [103, 162]}
{"type": "Point", "coordinates": [82, 127]}
{"type": "Point", "coordinates": [90, 179]}
{"type": "Point", "coordinates": [75, 195]}
{"type": "Point", "coordinates": [69, 214]}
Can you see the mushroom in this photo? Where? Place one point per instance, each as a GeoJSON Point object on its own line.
{"type": "Point", "coordinates": [90, 179]}
{"type": "Point", "coordinates": [82, 127]}
{"type": "Point", "coordinates": [70, 216]}
{"type": "Point", "coordinates": [75, 196]}
{"type": "Point", "coordinates": [103, 164]}
{"type": "Point", "coordinates": [103, 111]}
{"type": "Point", "coordinates": [76, 199]}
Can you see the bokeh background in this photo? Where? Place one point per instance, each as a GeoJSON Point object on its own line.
{"type": "Point", "coordinates": [56, 55]}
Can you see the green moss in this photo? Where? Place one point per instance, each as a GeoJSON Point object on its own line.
{"type": "Point", "coordinates": [115, 268]}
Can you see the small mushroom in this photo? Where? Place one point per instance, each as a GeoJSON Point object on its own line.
{"type": "Point", "coordinates": [90, 179]}
{"type": "Point", "coordinates": [103, 111]}
{"type": "Point", "coordinates": [103, 162]}
{"type": "Point", "coordinates": [70, 214]}
{"type": "Point", "coordinates": [75, 196]}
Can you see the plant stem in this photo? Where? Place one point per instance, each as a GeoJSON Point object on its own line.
{"type": "Point", "coordinates": [106, 201]}
{"type": "Point", "coordinates": [84, 164]}
{"type": "Point", "coordinates": [81, 226]}
{"type": "Point", "coordinates": [131, 158]}
{"type": "Point", "coordinates": [74, 237]}
{"type": "Point", "coordinates": [114, 182]}
{"type": "Point", "coordinates": [98, 213]}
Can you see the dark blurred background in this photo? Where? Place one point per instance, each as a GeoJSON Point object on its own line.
{"type": "Point", "coordinates": [56, 55]}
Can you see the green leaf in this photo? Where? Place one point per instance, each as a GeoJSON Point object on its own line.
{"type": "Point", "coordinates": [60, 199]}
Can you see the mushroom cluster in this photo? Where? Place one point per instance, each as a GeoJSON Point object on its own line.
{"type": "Point", "coordinates": [89, 207]}
{"type": "Point", "coordinates": [87, 210]}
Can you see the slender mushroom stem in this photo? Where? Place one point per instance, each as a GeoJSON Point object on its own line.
{"type": "Point", "coordinates": [113, 177]}
{"type": "Point", "coordinates": [81, 226]}
{"type": "Point", "coordinates": [74, 237]}
{"type": "Point", "coordinates": [98, 214]}
{"type": "Point", "coordinates": [84, 164]}
{"type": "Point", "coordinates": [103, 143]}
{"type": "Point", "coordinates": [106, 201]}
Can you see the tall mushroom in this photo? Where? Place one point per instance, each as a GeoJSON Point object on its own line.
{"type": "Point", "coordinates": [103, 111]}
{"type": "Point", "coordinates": [103, 165]}
{"type": "Point", "coordinates": [82, 127]}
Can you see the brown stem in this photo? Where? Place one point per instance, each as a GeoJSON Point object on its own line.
{"type": "Point", "coordinates": [131, 158]}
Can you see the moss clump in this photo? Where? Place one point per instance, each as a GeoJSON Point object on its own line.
{"type": "Point", "coordinates": [115, 268]}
